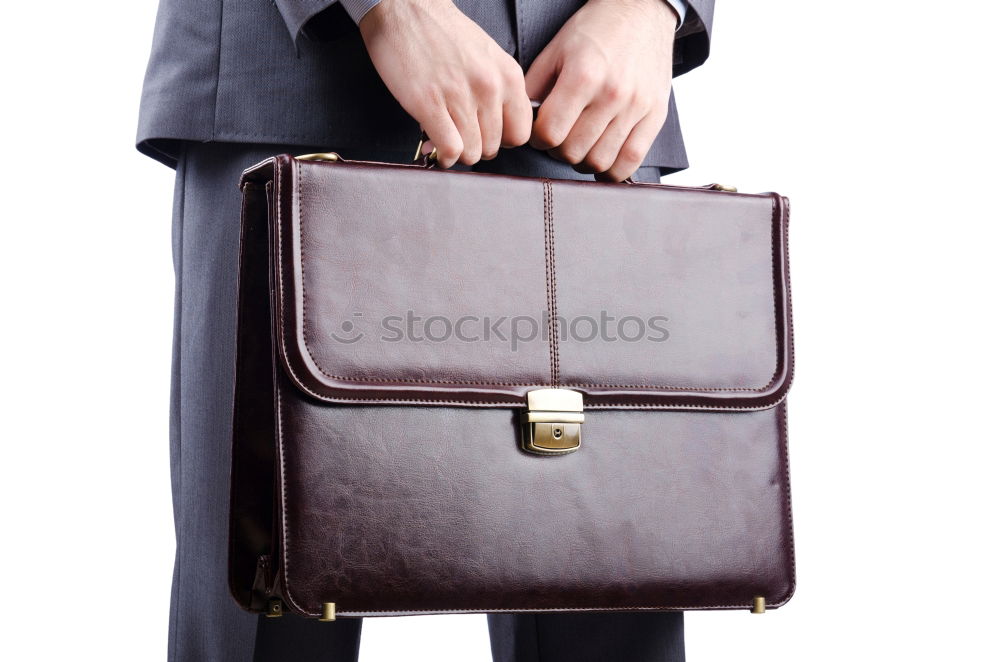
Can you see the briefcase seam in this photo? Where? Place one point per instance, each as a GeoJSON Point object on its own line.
{"type": "Point", "coordinates": [423, 401]}
{"type": "Point", "coordinates": [284, 502]}
{"type": "Point", "coordinates": [790, 546]}
{"type": "Point", "coordinates": [550, 279]}
{"type": "Point", "coordinates": [330, 375]}
{"type": "Point", "coordinates": [528, 610]}
{"type": "Point", "coordinates": [287, 593]}
{"type": "Point", "coordinates": [279, 418]}
{"type": "Point", "coordinates": [790, 543]}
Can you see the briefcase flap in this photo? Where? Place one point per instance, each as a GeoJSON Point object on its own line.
{"type": "Point", "coordinates": [408, 286]}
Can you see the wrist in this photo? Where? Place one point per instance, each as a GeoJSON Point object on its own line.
{"type": "Point", "coordinates": [655, 10]}
{"type": "Point", "coordinates": [383, 13]}
{"type": "Point", "coordinates": [373, 19]}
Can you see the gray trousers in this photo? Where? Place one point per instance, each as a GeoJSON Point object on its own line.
{"type": "Point", "coordinates": [206, 625]}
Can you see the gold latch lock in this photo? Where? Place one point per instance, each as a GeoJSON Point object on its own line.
{"type": "Point", "coordinates": [551, 426]}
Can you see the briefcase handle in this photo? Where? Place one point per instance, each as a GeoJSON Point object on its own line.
{"type": "Point", "coordinates": [430, 160]}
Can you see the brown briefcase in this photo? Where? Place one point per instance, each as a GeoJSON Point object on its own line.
{"type": "Point", "coordinates": [460, 392]}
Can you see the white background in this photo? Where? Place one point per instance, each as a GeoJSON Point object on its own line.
{"type": "Point", "coordinates": [878, 119]}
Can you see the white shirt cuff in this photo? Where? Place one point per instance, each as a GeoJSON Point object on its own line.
{"type": "Point", "coordinates": [680, 6]}
{"type": "Point", "coordinates": [358, 8]}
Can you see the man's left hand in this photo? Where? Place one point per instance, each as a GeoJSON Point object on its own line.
{"type": "Point", "coordinates": [605, 81]}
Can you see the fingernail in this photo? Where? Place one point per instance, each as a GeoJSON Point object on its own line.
{"type": "Point", "coordinates": [427, 148]}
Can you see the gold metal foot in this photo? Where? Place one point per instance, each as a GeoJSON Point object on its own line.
{"type": "Point", "coordinates": [274, 608]}
{"type": "Point", "coordinates": [329, 612]}
{"type": "Point", "coordinates": [759, 606]}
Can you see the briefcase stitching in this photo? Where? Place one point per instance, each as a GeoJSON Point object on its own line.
{"type": "Point", "coordinates": [774, 222]}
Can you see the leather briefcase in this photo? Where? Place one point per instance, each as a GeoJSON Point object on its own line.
{"type": "Point", "coordinates": [461, 392]}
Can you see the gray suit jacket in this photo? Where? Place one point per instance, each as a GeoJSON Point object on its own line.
{"type": "Point", "coordinates": [295, 72]}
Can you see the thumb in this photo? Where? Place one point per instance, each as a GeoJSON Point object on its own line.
{"type": "Point", "coordinates": [541, 76]}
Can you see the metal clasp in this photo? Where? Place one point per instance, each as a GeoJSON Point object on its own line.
{"type": "Point", "coordinates": [331, 157]}
{"type": "Point", "coordinates": [551, 426]}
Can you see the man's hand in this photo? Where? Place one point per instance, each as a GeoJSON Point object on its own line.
{"type": "Point", "coordinates": [605, 80]}
{"type": "Point", "coordinates": [466, 92]}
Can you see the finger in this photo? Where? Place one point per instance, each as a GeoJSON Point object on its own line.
{"type": "Point", "coordinates": [517, 117]}
{"type": "Point", "coordinates": [443, 135]}
{"type": "Point", "coordinates": [491, 129]}
{"type": "Point", "coordinates": [467, 122]}
{"type": "Point", "coordinates": [541, 75]}
{"type": "Point", "coordinates": [605, 151]}
{"type": "Point", "coordinates": [572, 92]}
{"type": "Point", "coordinates": [635, 148]}
{"type": "Point", "coordinates": [585, 133]}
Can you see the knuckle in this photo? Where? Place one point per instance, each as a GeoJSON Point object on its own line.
{"type": "Point", "coordinates": [544, 136]}
{"type": "Point", "coordinates": [619, 171]}
{"type": "Point", "coordinates": [614, 91]}
{"type": "Point", "coordinates": [512, 73]}
{"type": "Point", "coordinates": [486, 83]}
{"type": "Point", "coordinates": [631, 154]}
{"type": "Point", "coordinates": [518, 135]}
{"type": "Point", "coordinates": [558, 153]}
{"type": "Point", "coordinates": [590, 72]}
{"type": "Point", "coordinates": [449, 150]}
{"type": "Point", "coordinates": [572, 153]}
{"type": "Point", "coordinates": [470, 156]}
{"type": "Point", "coordinates": [598, 162]}
{"type": "Point", "coordinates": [586, 77]}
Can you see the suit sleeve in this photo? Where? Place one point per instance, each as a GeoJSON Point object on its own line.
{"type": "Point", "coordinates": [299, 15]}
{"type": "Point", "coordinates": [691, 45]}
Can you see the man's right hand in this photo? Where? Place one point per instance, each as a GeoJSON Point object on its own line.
{"type": "Point", "coordinates": [466, 92]}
